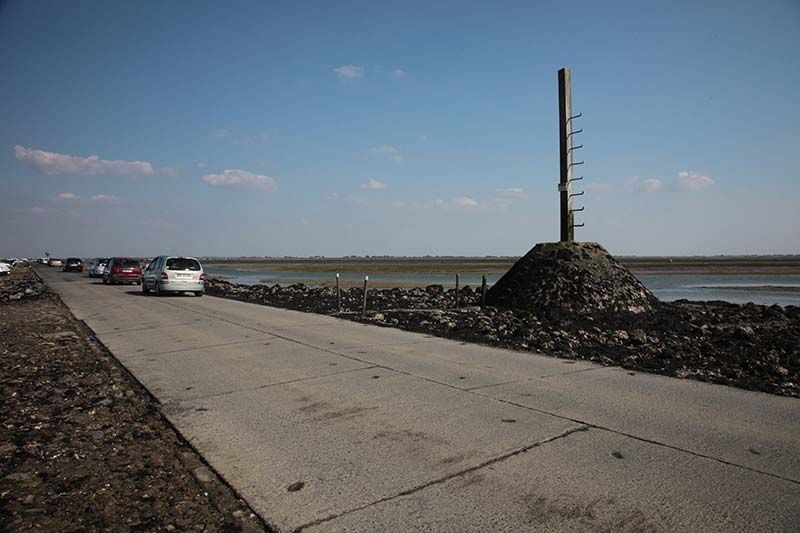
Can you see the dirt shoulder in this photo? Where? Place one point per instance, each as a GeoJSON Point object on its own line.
{"type": "Point", "coordinates": [82, 445]}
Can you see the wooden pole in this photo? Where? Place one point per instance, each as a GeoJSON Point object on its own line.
{"type": "Point", "coordinates": [565, 151]}
{"type": "Point", "coordinates": [338, 295]}
{"type": "Point", "coordinates": [483, 290]}
{"type": "Point", "coordinates": [364, 306]}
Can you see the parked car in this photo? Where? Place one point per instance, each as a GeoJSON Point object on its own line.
{"type": "Point", "coordinates": [122, 270]}
{"type": "Point", "coordinates": [55, 262]}
{"type": "Point", "coordinates": [174, 274]}
{"type": "Point", "coordinates": [97, 267]}
{"type": "Point", "coordinates": [5, 269]}
{"type": "Point", "coordinates": [73, 264]}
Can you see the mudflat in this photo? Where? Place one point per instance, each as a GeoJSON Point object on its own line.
{"type": "Point", "coordinates": [726, 265]}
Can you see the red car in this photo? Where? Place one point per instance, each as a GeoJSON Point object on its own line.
{"type": "Point", "coordinates": [122, 270]}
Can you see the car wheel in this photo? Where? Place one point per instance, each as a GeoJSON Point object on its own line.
{"type": "Point", "coordinates": [157, 288]}
{"type": "Point", "coordinates": [198, 293]}
{"type": "Point", "coordinates": [105, 281]}
{"type": "Point", "coordinates": [144, 289]}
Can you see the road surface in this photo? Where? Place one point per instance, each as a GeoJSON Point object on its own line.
{"type": "Point", "coordinates": [323, 424]}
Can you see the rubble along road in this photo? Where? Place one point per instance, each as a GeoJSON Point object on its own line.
{"type": "Point", "coordinates": [82, 445]}
{"type": "Point", "coordinates": [324, 424]}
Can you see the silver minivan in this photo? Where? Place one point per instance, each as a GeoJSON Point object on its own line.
{"type": "Point", "coordinates": [173, 274]}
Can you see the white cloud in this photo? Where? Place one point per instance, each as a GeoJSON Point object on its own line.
{"type": "Point", "coordinates": [52, 163]}
{"type": "Point", "coordinates": [651, 185]}
{"type": "Point", "coordinates": [512, 193]}
{"type": "Point", "coordinates": [398, 73]}
{"type": "Point", "coordinates": [67, 196]}
{"type": "Point", "coordinates": [373, 184]}
{"type": "Point", "coordinates": [247, 140]}
{"type": "Point", "coordinates": [222, 134]}
{"type": "Point", "coordinates": [334, 196]}
{"type": "Point", "coordinates": [349, 72]}
{"type": "Point", "coordinates": [392, 152]}
{"type": "Point", "coordinates": [38, 210]}
{"type": "Point", "coordinates": [200, 164]}
{"type": "Point", "coordinates": [463, 201]}
{"type": "Point", "coordinates": [105, 198]}
{"type": "Point", "coordinates": [694, 181]}
{"type": "Point", "coordinates": [241, 178]}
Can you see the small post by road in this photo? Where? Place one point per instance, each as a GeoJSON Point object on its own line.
{"type": "Point", "coordinates": [457, 302]}
{"type": "Point", "coordinates": [483, 290]}
{"type": "Point", "coordinates": [338, 295]}
{"type": "Point", "coordinates": [364, 305]}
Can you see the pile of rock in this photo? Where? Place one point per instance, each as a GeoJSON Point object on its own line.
{"type": "Point", "coordinates": [566, 279]}
{"type": "Point", "coordinates": [22, 283]}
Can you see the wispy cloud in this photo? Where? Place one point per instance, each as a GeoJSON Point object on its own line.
{"type": "Point", "coordinates": [463, 201]}
{"type": "Point", "coordinates": [511, 193]}
{"type": "Point", "coordinates": [110, 198]}
{"type": "Point", "coordinates": [52, 163]}
{"type": "Point", "coordinates": [650, 185]}
{"type": "Point", "coordinates": [349, 72]}
{"type": "Point", "coordinates": [398, 73]}
{"type": "Point", "coordinates": [169, 171]}
{"type": "Point", "coordinates": [200, 164]}
{"type": "Point", "coordinates": [36, 210]}
{"type": "Point", "coordinates": [347, 199]}
{"type": "Point", "coordinates": [241, 178]}
{"type": "Point", "coordinates": [66, 196]}
{"type": "Point", "coordinates": [694, 181]}
{"type": "Point", "coordinates": [373, 184]}
{"type": "Point", "coordinates": [392, 152]}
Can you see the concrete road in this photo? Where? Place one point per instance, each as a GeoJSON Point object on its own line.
{"type": "Point", "coordinates": [328, 425]}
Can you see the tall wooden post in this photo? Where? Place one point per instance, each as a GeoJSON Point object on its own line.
{"type": "Point", "coordinates": [565, 144]}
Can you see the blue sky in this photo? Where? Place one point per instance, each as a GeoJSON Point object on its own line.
{"type": "Point", "coordinates": [336, 128]}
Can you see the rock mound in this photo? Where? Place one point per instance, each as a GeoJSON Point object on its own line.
{"type": "Point", "coordinates": [570, 278]}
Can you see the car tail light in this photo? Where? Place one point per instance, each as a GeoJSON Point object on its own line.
{"type": "Point", "coordinates": [202, 277]}
{"type": "Point", "coordinates": [164, 275]}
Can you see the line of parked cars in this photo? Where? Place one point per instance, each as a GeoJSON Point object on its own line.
{"type": "Point", "coordinates": [164, 274]}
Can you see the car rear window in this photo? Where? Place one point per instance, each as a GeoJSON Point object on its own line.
{"type": "Point", "coordinates": [126, 263]}
{"type": "Point", "coordinates": [182, 263]}
{"type": "Point", "coordinates": [73, 260]}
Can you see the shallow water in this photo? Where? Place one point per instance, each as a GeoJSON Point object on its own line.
{"type": "Point", "coordinates": [667, 287]}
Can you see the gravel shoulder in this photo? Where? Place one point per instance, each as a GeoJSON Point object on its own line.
{"type": "Point", "coordinates": [83, 446]}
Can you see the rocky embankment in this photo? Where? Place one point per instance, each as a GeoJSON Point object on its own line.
{"type": "Point", "coordinates": [21, 284]}
{"type": "Point", "coordinates": [750, 346]}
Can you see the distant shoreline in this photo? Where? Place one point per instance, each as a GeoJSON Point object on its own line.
{"type": "Point", "coordinates": [775, 266]}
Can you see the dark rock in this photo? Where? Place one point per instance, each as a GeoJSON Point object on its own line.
{"type": "Point", "coordinates": [568, 279]}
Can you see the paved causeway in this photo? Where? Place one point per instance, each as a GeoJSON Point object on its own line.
{"type": "Point", "coordinates": [380, 429]}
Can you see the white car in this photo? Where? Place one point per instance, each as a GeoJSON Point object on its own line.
{"type": "Point", "coordinates": [5, 269]}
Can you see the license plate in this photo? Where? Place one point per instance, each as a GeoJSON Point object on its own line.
{"type": "Point", "coordinates": [184, 275]}
{"type": "Point", "coordinates": [127, 270]}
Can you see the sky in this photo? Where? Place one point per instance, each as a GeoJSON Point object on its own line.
{"type": "Point", "coordinates": [405, 128]}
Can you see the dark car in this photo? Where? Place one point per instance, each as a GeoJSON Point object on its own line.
{"type": "Point", "coordinates": [73, 264]}
{"type": "Point", "coordinates": [122, 270]}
